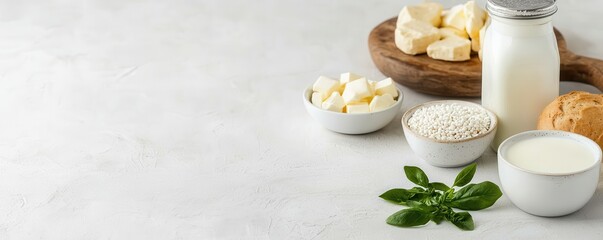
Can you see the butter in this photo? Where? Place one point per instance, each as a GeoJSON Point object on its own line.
{"type": "Point", "coordinates": [475, 17]}
{"type": "Point", "coordinates": [317, 99]}
{"type": "Point", "coordinates": [348, 77]}
{"type": "Point", "coordinates": [386, 86]}
{"type": "Point", "coordinates": [453, 32]}
{"type": "Point", "coordinates": [325, 86]}
{"type": "Point", "coordinates": [427, 12]}
{"type": "Point", "coordinates": [356, 91]}
{"type": "Point", "coordinates": [450, 49]}
{"type": "Point", "coordinates": [455, 18]}
{"type": "Point", "coordinates": [334, 103]}
{"type": "Point", "coordinates": [357, 108]}
{"type": "Point", "coordinates": [381, 102]}
{"type": "Point", "coordinates": [414, 36]}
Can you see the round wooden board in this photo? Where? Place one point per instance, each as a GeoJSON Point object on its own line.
{"type": "Point", "coordinates": [460, 79]}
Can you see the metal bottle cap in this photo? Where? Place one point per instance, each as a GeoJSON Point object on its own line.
{"type": "Point", "coordinates": [521, 9]}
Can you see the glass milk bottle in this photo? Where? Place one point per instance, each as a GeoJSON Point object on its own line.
{"type": "Point", "coordinates": [520, 64]}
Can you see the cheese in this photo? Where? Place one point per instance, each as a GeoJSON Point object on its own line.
{"type": "Point", "coordinates": [386, 86]}
{"type": "Point", "coordinates": [334, 103]}
{"type": "Point", "coordinates": [357, 91]}
{"type": "Point", "coordinates": [372, 84]}
{"type": "Point", "coordinates": [357, 108]}
{"type": "Point", "coordinates": [450, 49]}
{"type": "Point", "coordinates": [450, 31]}
{"type": "Point", "coordinates": [455, 18]}
{"type": "Point", "coordinates": [426, 12]}
{"type": "Point", "coordinates": [325, 86]}
{"type": "Point", "coordinates": [414, 36]}
{"type": "Point", "coordinates": [474, 21]}
{"type": "Point", "coordinates": [381, 102]}
{"type": "Point", "coordinates": [317, 99]}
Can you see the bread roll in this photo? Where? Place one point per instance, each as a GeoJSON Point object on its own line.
{"type": "Point", "coordinates": [578, 112]}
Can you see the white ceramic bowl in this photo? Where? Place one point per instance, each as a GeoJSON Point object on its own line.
{"type": "Point", "coordinates": [548, 195]}
{"type": "Point", "coordinates": [453, 153]}
{"type": "Point", "coordinates": [357, 123]}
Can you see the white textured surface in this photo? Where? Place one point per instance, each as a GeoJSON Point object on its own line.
{"type": "Point", "coordinates": [183, 120]}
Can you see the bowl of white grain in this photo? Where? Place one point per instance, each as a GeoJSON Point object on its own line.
{"type": "Point", "coordinates": [449, 133]}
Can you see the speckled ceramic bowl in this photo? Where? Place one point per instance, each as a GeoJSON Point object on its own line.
{"type": "Point", "coordinates": [454, 153]}
{"type": "Point", "coordinates": [357, 123]}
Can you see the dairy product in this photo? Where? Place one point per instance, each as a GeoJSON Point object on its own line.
{"type": "Point", "coordinates": [474, 21]}
{"type": "Point", "coordinates": [357, 91]}
{"type": "Point", "coordinates": [386, 86]}
{"type": "Point", "coordinates": [550, 154]}
{"type": "Point", "coordinates": [316, 99]}
{"type": "Point", "coordinates": [414, 36]}
{"type": "Point", "coordinates": [455, 17]}
{"type": "Point", "coordinates": [325, 86]}
{"type": "Point", "coordinates": [453, 32]}
{"type": "Point", "coordinates": [426, 12]}
{"type": "Point", "coordinates": [334, 103]}
{"type": "Point", "coordinates": [450, 49]}
{"type": "Point", "coordinates": [357, 108]}
{"type": "Point", "coordinates": [348, 77]}
{"type": "Point", "coordinates": [520, 72]}
{"type": "Point", "coordinates": [381, 102]}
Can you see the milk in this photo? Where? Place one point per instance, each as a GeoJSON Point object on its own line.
{"type": "Point", "coordinates": [520, 73]}
{"type": "Point", "coordinates": [550, 155]}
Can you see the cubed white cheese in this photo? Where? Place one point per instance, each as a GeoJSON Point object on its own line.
{"type": "Point", "coordinates": [386, 86]}
{"type": "Point", "coordinates": [357, 91]}
{"type": "Point", "coordinates": [450, 31]}
{"type": "Point", "coordinates": [450, 49]}
{"type": "Point", "coordinates": [372, 84]}
{"type": "Point", "coordinates": [334, 103]}
{"type": "Point", "coordinates": [348, 77]}
{"type": "Point", "coordinates": [381, 102]}
{"type": "Point", "coordinates": [414, 36]}
{"type": "Point", "coordinates": [427, 12]}
{"type": "Point", "coordinates": [317, 99]}
{"type": "Point", "coordinates": [325, 86]}
{"type": "Point", "coordinates": [455, 18]}
{"type": "Point", "coordinates": [357, 108]}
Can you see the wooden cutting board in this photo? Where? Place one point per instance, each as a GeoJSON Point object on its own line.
{"type": "Point", "coordinates": [460, 79]}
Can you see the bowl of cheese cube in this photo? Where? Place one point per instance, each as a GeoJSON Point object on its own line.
{"type": "Point", "coordinates": [353, 104]}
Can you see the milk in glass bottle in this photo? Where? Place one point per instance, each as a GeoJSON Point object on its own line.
{"type": "Point", "coordinates": [520, 64]}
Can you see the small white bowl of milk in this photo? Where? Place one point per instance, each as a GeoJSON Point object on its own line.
{"type": "Point", "coordinates": [549, 173]}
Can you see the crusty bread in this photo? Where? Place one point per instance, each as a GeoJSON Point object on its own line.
{"type": "Point", "coordinates": [578, 112]}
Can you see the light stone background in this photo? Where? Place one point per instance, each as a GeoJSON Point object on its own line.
{"type": "Point", "coordinates": [184, 120]}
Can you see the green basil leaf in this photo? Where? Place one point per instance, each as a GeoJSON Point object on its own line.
{"type": "Point", "coordinates": [439, 186]}
{"type": "Point", "coordinates": [438, 219]}
{"type": "Point", "coordinates": [465, 175]}
{"type": "Point", "coordinates": [409, 217]}
{"type": "Point", "coordinates": [462, 220]}
{"type": "Point", "coordinates": [416, 175]}
{"type": "Point", "coordinates": [475, 196]}
{"type": "Point", "coordinates": [397, 195]}
{"type": "Point", "coordinates": [421, 206]}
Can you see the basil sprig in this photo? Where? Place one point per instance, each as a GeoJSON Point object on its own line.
{"type": "Point", "coordinates": [435, 200]}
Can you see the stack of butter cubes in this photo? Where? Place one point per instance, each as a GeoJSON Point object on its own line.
{"type": "Point", "coordinates": [445, 35]}
{"type": "Point", "coordinates": [353, 94]}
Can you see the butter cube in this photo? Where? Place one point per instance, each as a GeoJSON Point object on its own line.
{"type": "Point", "coordinates": [427, 12]}
{"type": "Point", "coordinates": [450, 49]}
{"type": "Point", "coordinates": [334, 103]}
{"type": "Point", "coordinates": [372, 84]}
{"type": "Point", "coordinates": [474, 21]}
{"type": "Point", "coordinates": [348, 77]}
{"type": "Point", "coordinates": [357, 91]}
{"type": "Point", "coordinates": [381, 102]}
{"type": "Point", "coordinates": [317, 99]}
{"type": "Point", "coordinates": [455, 17]}
{"type": "Point", "coordinates": [386, 86]}
{"type": "Point", "coordinates": [450, 31]}
{"type": "Point", "coordinates": [358, 108]}
{"type": "Point", "coordinates": [414, 36]}
{"type": "Point", "coordinates": [325, 86]}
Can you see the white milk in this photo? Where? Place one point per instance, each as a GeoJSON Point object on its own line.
{"type": "Point", "coordinates": [550, 154]}
{"type": "Point", "coordinates": [520, 73]}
